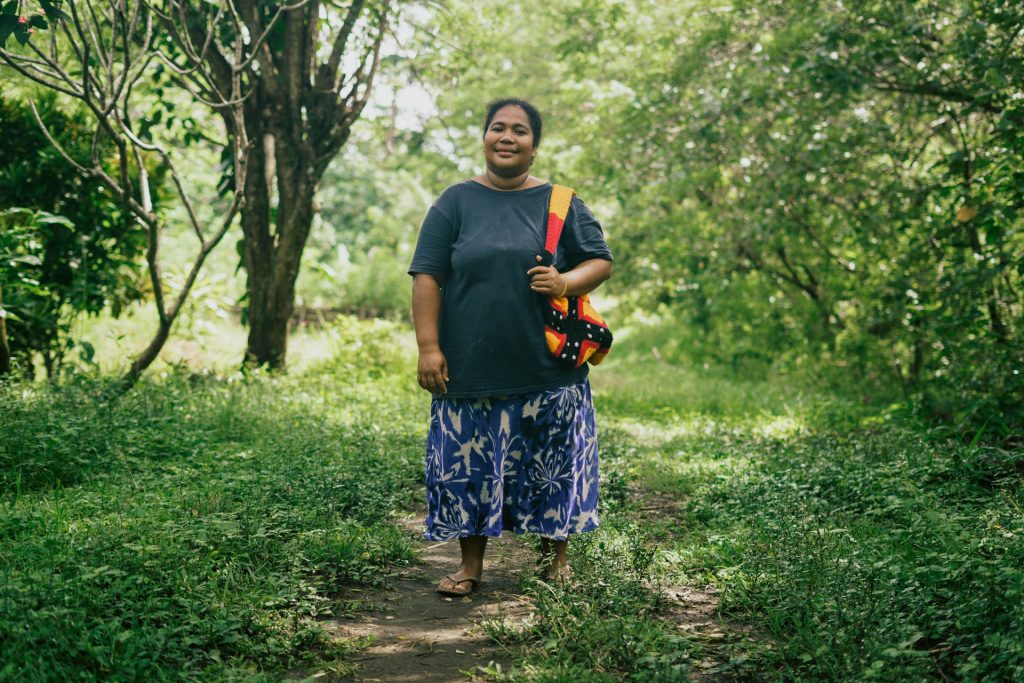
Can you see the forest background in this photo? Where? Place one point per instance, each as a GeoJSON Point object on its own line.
{"type": "Point", "coordinates": [812, 197]}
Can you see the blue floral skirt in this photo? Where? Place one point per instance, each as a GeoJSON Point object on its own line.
{"type": "Point", "coordinates": [521, 463]}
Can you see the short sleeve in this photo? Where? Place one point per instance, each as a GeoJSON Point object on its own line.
{"type": "Point", "coordinates": [582, 237]}
{"type": "Point", "coordinates": [433, 253]}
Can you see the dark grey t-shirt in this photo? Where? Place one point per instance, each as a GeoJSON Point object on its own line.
{"type": "Point", "coordinates": [480, 242]}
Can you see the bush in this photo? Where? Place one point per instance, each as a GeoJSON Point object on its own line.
{"type": "Point", "coordinates": [197, 527]}
{"type": "Point", "coordinates": [84, 252]}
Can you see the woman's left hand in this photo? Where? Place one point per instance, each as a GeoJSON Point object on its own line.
{"type": "Point", "coordinates": [547, 280]}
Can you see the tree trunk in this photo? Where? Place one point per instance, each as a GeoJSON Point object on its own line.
{"type": "Point", "coordinates": [263, 346]}
{"type": "Point", "coordinates": [5, 348]}
{"type": "Point", "coordinates": [272, 259]}
{"type": "Point", "coordinates": [303, 99]}
{"type": "Point", "coordinates": [146, 358]}
{"type": "Point", "coordinates": [272, 279]}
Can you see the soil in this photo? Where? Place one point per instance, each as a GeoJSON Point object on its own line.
{"type": "Point", "coordinates": [693, 607]}
{"type": "Point", "coordinates": [420, 636]}
{"type": "Point", "coordinates": [423, 637]}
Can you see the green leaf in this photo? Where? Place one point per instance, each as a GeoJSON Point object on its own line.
{"type": "Point", "coordinates": [46, 218]}
{"type": "Point", "coordinates": [7, 25]}
{"type": "Point", "coordinates": [88, 352]}
{"type": "Point", "coordinates": [52, 11]}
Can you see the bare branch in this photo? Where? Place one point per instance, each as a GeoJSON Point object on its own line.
{"type": "Point", "coordinates": [257, 45]}
{"type": "Point", "coordinates": [269, 65]}
{"type": "Point", "coordinates": [176, 177]}
{"type": "Point", "coordinates": [369, 78]}
{"type": "Point", "coordinates": [327, 78]}
{"type": "Point", "coordinates": [53, 141]}
{"type": "Point", "coordinates": [36, 75]}
{"type": "Point", "coordinates": [204, 251]}
{"type": "Point", "coordinates": [91, 26]}
{"type": "Point", "coordinates": [930, 89]}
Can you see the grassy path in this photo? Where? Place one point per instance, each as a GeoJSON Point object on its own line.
{"type": "Point", "coordinates": [235, 529]}
{"type": "Point", "coordinates": [418, 635]}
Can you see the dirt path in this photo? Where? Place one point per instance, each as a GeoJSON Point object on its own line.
{"type": "Point", "coordinates": [693, 608]}
{"type": "Point", "coordinates": [420, 636]}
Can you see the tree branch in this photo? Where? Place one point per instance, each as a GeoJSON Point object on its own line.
{"type": "Point", "coordinates": [930, 89]}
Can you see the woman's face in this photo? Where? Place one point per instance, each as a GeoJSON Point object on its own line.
{"type": "Point", "coordinates": [508, 142]}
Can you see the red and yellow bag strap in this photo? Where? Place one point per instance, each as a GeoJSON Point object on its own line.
{"type": "Point", "coordinates": [558, 209]}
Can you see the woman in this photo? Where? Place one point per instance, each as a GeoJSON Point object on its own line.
{"type": "Point", "coordinates": [512, 441]}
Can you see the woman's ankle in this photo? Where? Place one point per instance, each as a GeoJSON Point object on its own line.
{"type": "Point", "coordinates": [470, 569]}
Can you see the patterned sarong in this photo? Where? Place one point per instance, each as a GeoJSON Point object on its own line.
{"type": "Point", "coordinates": [520, 463]}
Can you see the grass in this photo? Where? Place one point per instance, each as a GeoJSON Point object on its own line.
{"type": "Point", "coordinates": [851, 546]}
{"type": "Point", "coordinates": [199, 527]}
{"type": "Point", "coordinates": [195, 529]}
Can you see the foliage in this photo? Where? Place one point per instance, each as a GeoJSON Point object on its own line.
{"type": "Point", "coordinates": [830, 179]}
{"type": "Point", "coordinates": [874, 557]}
{"type": "Point", "coordinates": [106, 74]}
{"type": "Point", "coordinates": [199, 526]}
{"type": "Point", "coordinates": [74, 251]}
{"type": "Point", "coordinates": [287, 97]}
{"type": "Point", "coordinates": [843, 546]}
{"type": "Point", "coordinates": [858, 546]}
{"type": "Point", "coordinates": [609, 623]}
{"type": "Point", "coordinates": [361, 243]}
{"type": "Point", "coordinates": [834, 183]}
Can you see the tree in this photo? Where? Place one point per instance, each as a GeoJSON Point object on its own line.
{"type": "Point", "coordinates": [72, 250]}
{"type": "Point", "coordinates": [817, 180]}
{"type": "Point", "coordinates": [307, 69]}
{"type": "Point", "coordinates": [839, 179]}
{"type": "Point", "coordinates": [97, 53]}
{"type": "Point", "coordinates": [288, 82]}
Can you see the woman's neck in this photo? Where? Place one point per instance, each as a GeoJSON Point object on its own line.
{"type": "Point", "coordinates": [501, 183]}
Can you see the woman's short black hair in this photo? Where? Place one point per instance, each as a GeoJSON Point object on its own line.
{"type": "Point", "coordinates": [531, 113]}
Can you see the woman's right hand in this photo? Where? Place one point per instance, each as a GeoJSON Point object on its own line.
{"type": "Point", "coordinates": [432, 371]}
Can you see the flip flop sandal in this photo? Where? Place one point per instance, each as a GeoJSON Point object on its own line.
{"type": "Point", "coordinates": [455, 592]}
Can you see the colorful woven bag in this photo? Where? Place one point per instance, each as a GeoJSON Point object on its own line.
{"type": "Point", "coordinates": [576, 333]}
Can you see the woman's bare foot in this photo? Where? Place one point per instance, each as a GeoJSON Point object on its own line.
{"type": "Point", "coordinates": [554, 562]}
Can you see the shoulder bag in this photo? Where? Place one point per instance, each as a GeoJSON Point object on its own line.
{"type": "Point", "coordinates": [575, 332]}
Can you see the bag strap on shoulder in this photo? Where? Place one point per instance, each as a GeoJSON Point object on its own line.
{"type": "Point", "coordinates": [558, 209]}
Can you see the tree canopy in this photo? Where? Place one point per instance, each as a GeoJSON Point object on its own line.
{"type": "Point", "coordinates": [823, 183]}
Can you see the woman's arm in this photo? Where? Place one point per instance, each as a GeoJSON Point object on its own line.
{"type": "Point", "coordinates": [583, 279]}
{"type": "Point", "coordinates": [432, 370]}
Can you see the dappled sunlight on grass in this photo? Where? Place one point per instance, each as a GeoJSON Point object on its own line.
{"type": "Point", "coordinates": [654, 433]}
{"type": "Point", "coordinates": [247, 501]}
{"type": "Point", "coordinates": [213, 344]}
{"type": "Point", "coordinates": [660, 392]}
{"type": "Point", "coordinates": [673, 453]}
{"type": "Point", "coordinates": [791, 513]}
{"type": "Point", "coordinates": [779, 426]}
{"type": "Point", "coordinates": [851, 539]}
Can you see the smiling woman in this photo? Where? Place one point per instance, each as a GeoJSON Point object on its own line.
{"type": "Point", "coordinates": [512, 134]}
{"type": "Point", "coordinates": [512, 442]}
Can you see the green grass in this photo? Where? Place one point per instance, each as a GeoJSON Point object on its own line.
{"type": "Point", "coordinates": [198, 527]}
{"type": "Point", "coordinates": [865, 555]}
{"type": "Point", "coordinates": [852, 547]}
{"type": "Point", "coordinates": [195, 528]}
